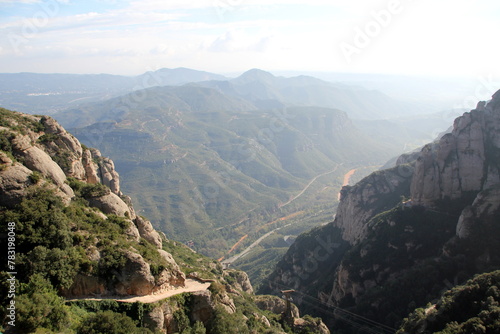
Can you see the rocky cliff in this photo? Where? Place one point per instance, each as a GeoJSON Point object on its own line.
{"type": "Point", "coordinates": [80, 245]}
{"type": "Point", "coordinates": [37, 153]}
{"type": "Point", "coordinates": [403, 234]}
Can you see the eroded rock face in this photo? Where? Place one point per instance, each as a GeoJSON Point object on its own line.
{"type": "Point", "coordinates": [485, 205]}
{"type": "Point", "coordinates": [135, 277]}
{"type": "Point", "coordinates": [308, 325]}
{"type": "Point", "coordinates": [84, 285]}
{"type": "Point", "coordinates": [55, 155]}
{"type": "Point", "coordinates": [112, 204]}
{"type": "Point", "coordinates": [14, 180]}
{"type": "Point", "coordinates": [274, 304]}
{"type": "Point", "coordinates": [147, 231]}
{"type": "Point", "coordinates": [172, 276]}
{"type": "Point", "coordinates": [203, 307]}
{"type": "Point", "coordinates": [242, 281]}
{"type": "Point", "coordinates": [375, 192]}
{"type": "Point", "coordinates": [462, 161]}
{"type": "Point", "coordinates": [37, 160]}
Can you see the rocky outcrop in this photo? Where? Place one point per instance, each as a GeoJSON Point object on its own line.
{"type": "Point", "coordinates": [274, 304]}
{"type": "Point", "coordinates": [435, 216]}
{"type": "Point", "coordinates": [309, 325]}
{"type": "Point", "coordinates": [84, 285]}
{"type": "Point", "coordinates": [14, 180]}
{"type": "Point", "coordinates": [135, 277]}
{"type": "Point", "coordinates": [203, 306]}
{"type": "Point", "coordinates": [462, 161]}
{"type": "Point", "coordinates": [376, 192]}
{"type": "Point", "coordinates": [241, 280]}
{"type": "Point", "coordinates": [36, 158]}
{"type": "Point", "coordinates": [171, 276]}
{"type": "Point", "coordinates": [475, 216]}
{"type": "Point", "coordinates": [112, 204]}
{"type": "Point", "coordinates": [147, 231]}
{"type": "Point", "coordinates": [106, 172]}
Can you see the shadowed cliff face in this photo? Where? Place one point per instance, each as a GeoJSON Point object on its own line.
{"type": "Point", "coordinates": [401, 235]}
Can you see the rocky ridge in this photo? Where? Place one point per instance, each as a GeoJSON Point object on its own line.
{"type": "Point", "coordinates": [435, 214]}
{"type": "Point", "coordinates": [56, 155]}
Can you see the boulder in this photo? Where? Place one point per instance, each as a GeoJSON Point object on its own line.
{"type": "Point", "coordinates": [111, 204]}
{"type": "Point", "coordinates": [147, 232]}
{"type": "Point", "coordinates": [171, 276]}
{"type": "Point", "coordinates": [135, 277]}
{"type": "Point", "coordinates": [274, 304]}
{"type": "Point", "coordinates": [14, 179]}
{"type": "Point", "coordinates": [38, 160]}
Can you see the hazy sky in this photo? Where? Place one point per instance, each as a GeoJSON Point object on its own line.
{"type": "Point", "coordinates": [441, 37]}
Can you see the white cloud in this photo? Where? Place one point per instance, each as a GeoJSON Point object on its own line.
{"type": "Point", "coordinates": [442, 36]}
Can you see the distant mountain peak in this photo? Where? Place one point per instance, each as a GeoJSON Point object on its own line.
{"type": "Point", "coordinates": [255, 74]}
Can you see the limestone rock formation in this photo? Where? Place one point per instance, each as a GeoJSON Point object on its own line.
{"type": "Point", "coordinates": [274, 304]}
{"type": "Point", "coordinates": [14, 180]}
{"type": "Point", "coordinates": [462, 161]}
{"type": "Point", "coordinates": [135, 277]}
{"type": "Point", "coordinates": [112, 204]}
{"type": "Point", "coordinates": [39, 153]}
{"type": "Point", "coordinates": [147, 231]}
{"type": "Point", "coordinates": [242, 282]}
{"type": "Point", "coordinates": [171, 276]}
{"type": "Point", "coordinates": [377, 191]}
{"type": "Point", "coordinates": [485, 205]}
{"type": "Point", "coordinates": [401, 235]}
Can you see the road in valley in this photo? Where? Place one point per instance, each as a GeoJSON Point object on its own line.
{"type": "Point", "coordinates": [308, 185]}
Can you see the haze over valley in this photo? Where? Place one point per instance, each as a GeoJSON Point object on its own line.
{"type": "Point", "coordinates": [249, 167]}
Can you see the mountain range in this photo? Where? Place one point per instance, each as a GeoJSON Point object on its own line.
{"type": "Point", "coordinates": [230, 152]}
{"type": "Point", "coordinates": [49, 93]}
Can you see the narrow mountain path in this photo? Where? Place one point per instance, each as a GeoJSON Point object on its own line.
{"type": "Point", "coordinates": [191, 285]}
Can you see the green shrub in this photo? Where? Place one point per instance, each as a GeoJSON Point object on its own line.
{"type": "Point", "coordinates": [87, 190]}
{"type": "Point", "coordinates": [38, 306]}
{"type": "Point", "coordinates": [110, 322]}
{"type": "Point", "coordinates": [48, 137]}
{"type": "Point", "coordinates": [35, 177]}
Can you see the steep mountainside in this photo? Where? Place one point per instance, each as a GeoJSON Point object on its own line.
{"type": "Point", "coordinates": [80, 250]}
{"type": "Point", "coordinates": [404, 234]}
{"type": "Point", "coordinates": [469, 308]}
{"type": "Point", "coordinates": [196, 160]}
